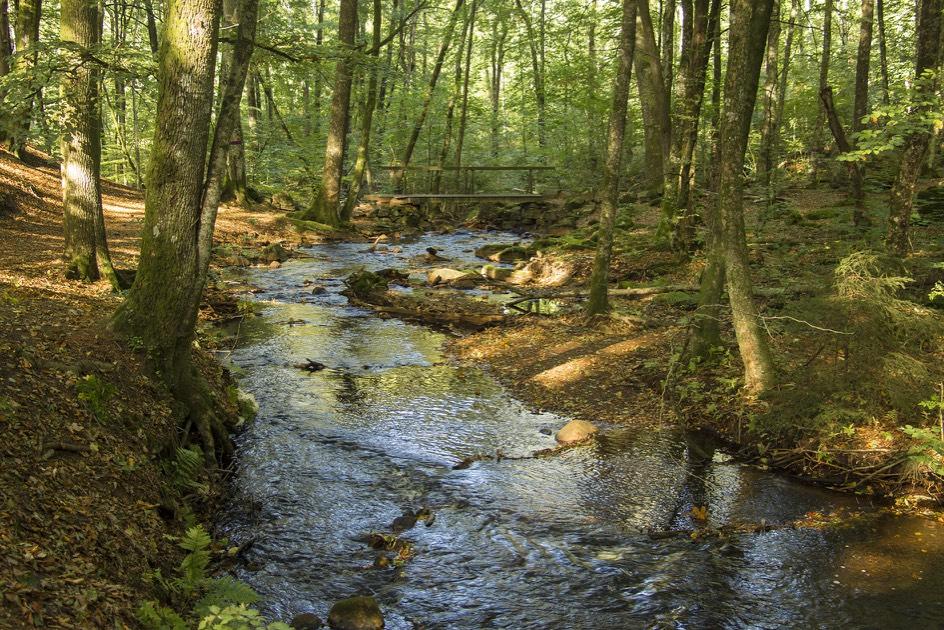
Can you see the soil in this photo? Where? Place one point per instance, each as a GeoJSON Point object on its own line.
{"type": "Point", "coordinates": [83, 520]}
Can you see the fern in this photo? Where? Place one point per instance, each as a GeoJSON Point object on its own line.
{"type": "Point", "coordinates": [185, 469]}
{"type": "Point", "coordinates": [238, 617]}
{"type": "Point", "coordinates": [224, 591]}
{"type": "Point", "coordinates": [152, 616]}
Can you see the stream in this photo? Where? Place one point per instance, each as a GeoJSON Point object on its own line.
{"type": "Point", "coordinates": [557, 542]}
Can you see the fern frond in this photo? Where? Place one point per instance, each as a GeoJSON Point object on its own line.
{"type": "Point", "coordinates": [225, 591]}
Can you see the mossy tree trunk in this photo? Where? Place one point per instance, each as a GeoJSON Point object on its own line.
{"type": "Point", "coordinates": [927, 59]}
{"type": "Point", "coordinates": [609, 194]}
{"type": "Point", "coordinates": [748, 33]}
{"type": "Point", "coordinates": [727, 256]}
{"type": "Point", "coordinates": [182, 198]}
{"type": "Point", "coordinates": [86, 249]}
{"type": "Point", "coordinates": [326, 204]}
{"type": "Point", "coordinates": [28, 15]}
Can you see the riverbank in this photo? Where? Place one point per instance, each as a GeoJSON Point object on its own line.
{"type": "Point", "coordinates": [85, 515]}
{"type": "Point", "coordinates": [858, 348]}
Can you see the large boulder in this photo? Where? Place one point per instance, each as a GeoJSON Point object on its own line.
{"type": "Point", "coordinates": [487, 251]}
{"type": "Point", "coordinates": [356, 613]}
{"type": "Point", "coordinates": [514, 253]}
{"type": "Point", "coordinates": [496, 273]}
{"type": "Point", "coordinates": [576, 431]}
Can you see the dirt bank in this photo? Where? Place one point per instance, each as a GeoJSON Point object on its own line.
{"type": "Point", "coordinates": [83, 519]}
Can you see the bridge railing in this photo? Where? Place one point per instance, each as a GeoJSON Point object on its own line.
{"type": "Point", "coordinates": [463, 180]}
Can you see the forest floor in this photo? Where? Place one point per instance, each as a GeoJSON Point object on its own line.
{"type": "Point", "coordinates": [853, 367]}
{"type": "Point", "coordinates": [83, 517]}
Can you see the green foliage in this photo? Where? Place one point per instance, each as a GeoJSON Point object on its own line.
{"type": "Point", "coordinates": [216, 603]}
{"type": "Point", "coordinates": [96, 394]}
{"type": "Point", "coordinates": [185, 470]}
{"type": "Point", "coordinates": [238, 617]}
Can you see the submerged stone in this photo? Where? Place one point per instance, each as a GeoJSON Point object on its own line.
{"type": "Point", "coordinates": [576, 431]}
{"type": "Point", "coordinates": [306, 621]}
{"type": "Point", "coordinates": [356, 613]}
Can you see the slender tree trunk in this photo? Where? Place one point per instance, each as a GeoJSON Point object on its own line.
{"type": "Point", "coordinates": [609, 194]}
{"type": "Point", "coordinates": [235, 180]}
{"type": "Point", "coordinates": [454, 96]}
{"type": "Point", "coordinates": [750, 20]}
{"type": "Point", "coordinates": [860, 107]}
{"type": "Point", "coordinates": [845, 146]}
{"type": "Point", "coordinates": [882, 49]}
{"type": "Point", "coordinates": [326, 205]}
{"type": "Point", "coordinates": [86, 251]}
{"type": "Point", "coordinates": [181, 200]}
{"type": "Point", "coordinates": [747, 36]}
{"type": "Point", "coordinates": [593, 87]}
{"type": "Point", "coordinates": [818, 139]}
{"type": "Point", "coordinates": [699, 21]}
{"type": "Point", "coordinates": [6, 43]}
{"type": "Point", "coordinates": [497, 64]}
{"type": "Point", "coordinates": [151, 23]}
{"type": "Point", "coordinates": [464, 110]}
{"type": "Point", "coordinates": [428, 96]}
{"type": "Point", "coordinates": [771, 96]}
{"type": "Point", "coordinates": [536, 48]}
{"type": "Point", "coordinates": [927, 58]}
{"type": "Point", "coordinates": [667, 48]}
{"type": "Point", "coordinates": [367, 117]}
{"type": "Point", "coordinates": [655, 109]}
{"type": "Point", "coordinates": [28, 14]}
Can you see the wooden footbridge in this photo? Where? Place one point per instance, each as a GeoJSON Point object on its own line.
{"type": "Point", "coordinates": [466, 180]}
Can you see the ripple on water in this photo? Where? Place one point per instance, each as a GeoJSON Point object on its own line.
{"type": "Point", "coordinates": [549, 543]}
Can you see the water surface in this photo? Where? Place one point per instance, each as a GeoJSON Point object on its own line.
{"type": "Point", "coordinates": [555, 542]}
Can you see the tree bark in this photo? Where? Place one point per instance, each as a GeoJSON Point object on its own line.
{"type": "Point", "coordinates": [927, 59]}
{"type": "Point", "coordinates": [428, 96]}
{"type": "Point", "coordinates": [28, 14]}
{"type": "Point", "coordinates": [818, 139]}
{"type": "Point", "coordinates": [182, 198]}
{"type": "Point", "coordinates": [655, 108]}
{"type": "Point", "coordinates": [497, 65]}
{"type": "Point", "coordinates": [860, 107]}
{"type": "Point", "coordinates": [845, 146]}
{"type": "Point", "coordinates": [367, 118]}
{"type": "Point", "coordinates": [326, 204]}
{"type": "Point", "coordinates": [747, 37]}
{"type": "Point", "coordinates": [698, 36]}
{"type": "Point", "coordinates": [536, 48]}
{"type": "Point", "coordinates": [86, 250]}
{"type": "Point", "coordinates": [598, 301]}
{"type": "Point", "coordinates": [882, 49]}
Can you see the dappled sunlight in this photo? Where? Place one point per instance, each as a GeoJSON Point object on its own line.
{"type": "Point", "coordinates": [583, 367]}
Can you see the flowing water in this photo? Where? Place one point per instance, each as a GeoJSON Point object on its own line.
{"type": "Point", "coordinates": [556, 542]}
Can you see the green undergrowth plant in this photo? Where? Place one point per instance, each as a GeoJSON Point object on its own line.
{"type": "Point", "coordinates": [96, 394]}
{"type": "Point", "coordinates": [863, 351]}
{"type": "Point", "coordinates": [211, 603]}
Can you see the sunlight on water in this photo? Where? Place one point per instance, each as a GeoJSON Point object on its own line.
{"type": "Point", "coordinates": [555, 542]}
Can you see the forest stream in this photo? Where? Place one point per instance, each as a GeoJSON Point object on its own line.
{"type": "Point", "coordinates": [553, 542]}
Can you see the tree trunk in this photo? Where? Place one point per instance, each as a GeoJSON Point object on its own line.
{"type": "Point", "coordinates": [454, 96]}
{"type": "Point", "coordinates": [667, 48]}
{"type": "Point", "coordinates": [536, 48]}
{"type": "Point", "coordinates": [818, 139]}
{"type": "Point", "coordinates": [860, 107]}
{"type": "Point", "coordinates": [367, 118]}
{"type": "Point", "coordinates": [699, 21]}
{"type": "Point", "coordinates": [151, 26]}
{"type": "Point", "coordinates": [428, 96]}
{"type": "Point", "coordinates": [235, 180]}
{"type": "Point", "coordinates": [326, 204]}
{"type": "Point", "coordinates": [609, 194]}
{"type": "Point", "coordinates": [655, 109]}
{"type": "Point", "coordinates": [181, 200]}
{"type": "Point", "coordinates": [497, 64]}
{"type": "Point", "coordinates": [771, 83]}
{"type": "Point", "coordinates": [747, 37]}
{"type": "Point", "coordinates": [6, 43]}
{"type": "Point", "coordinates": [28, 14]}
{"type": "Point", "coordinates": [882, 49]}
{"type": "Point", "coordinates": [464, 110]}
{"type": "Point", "coordinates": [86, 248]}
{"type": "Point", "coordinates": [927, 58]}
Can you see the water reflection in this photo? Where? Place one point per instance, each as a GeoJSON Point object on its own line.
{"type": "Point", "coordinates": [556, 542]}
